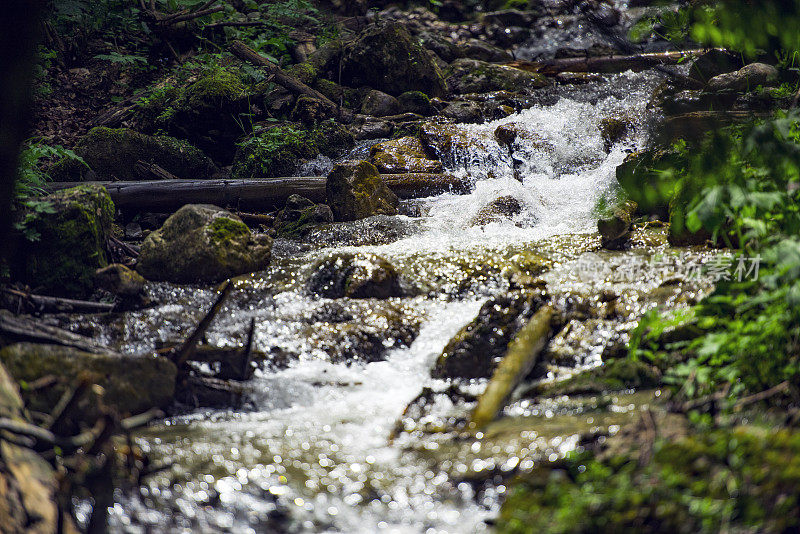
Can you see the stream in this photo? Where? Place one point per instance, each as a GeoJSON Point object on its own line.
{"type": "Point", "coordinates": [310, 451]}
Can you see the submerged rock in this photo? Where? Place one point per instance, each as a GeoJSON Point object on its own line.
{"type": "Point", "coordinates": [355, 276]}
{"type": "Point", "coordinates": [387, 58]}
{"type": "Point", "coordinates": [114, 154]}
{"type": "Point", "coordinates": [374, 230]}
{"type": "Point", "coordinates": [404, 155]}
{"type": "Point", "coordinates": [300, 215]}
{"type": "Point", "coordinates": [477, 348]}
{"type": "Point", "coordinates": [474, 76]}
{"type": "Point", "coordinates": [355, 190]}
{"type": "Point", "coordinates": [499, 209]}
{"type": "Point", "coordinates": [745, 79]}
{"type": "Point", "coordinates": [132, 384]}
{"type": "Point", "coordinates": [202, 243]}
{"type": "Point", "coordinates": [71, 228]}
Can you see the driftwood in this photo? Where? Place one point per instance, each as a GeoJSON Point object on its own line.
{"type": "Point", "coordinates": [20, 329]}
{"type": "Point", "coordinates": [183, 353]}
{"type": "Point", "coordinates": [44, 304]}
{"type": "Point", "coordinates": [258, 194]}
{"type": "Point", "coordinates": [245, 53]}
{"type": "Point", "coordinates": [605, 64]}
{"type": "Point", "coordinates": [523, 353]}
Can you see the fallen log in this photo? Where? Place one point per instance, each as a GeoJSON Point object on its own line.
{"type": "Point", "coordinates": [257, 194]}
{"type": "Point", "coordinates": [44, 304]}
{"type": "Point", "coordinates": [15, 329]}
{"type": "Point", "coordinates": [245, 53]}
{"type": "Point", "coordinates": [605, 64]}
{"type": "Point", "coordinates": [523, 353]}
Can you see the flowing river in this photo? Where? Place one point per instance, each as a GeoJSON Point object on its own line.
{"type": "Point", "coordinates": [315, 447]}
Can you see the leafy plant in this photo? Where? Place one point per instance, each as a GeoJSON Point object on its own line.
{"type": "Point", "coordinates": [31, 176]}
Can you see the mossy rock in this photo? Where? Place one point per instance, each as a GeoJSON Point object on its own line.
{"type": "Point", "coordinates": [474, 76]}
{"type": "Point", "coordinates": [355, 191]}
{"type": "Point", "coordinates": [644, 181]}
{"type": "Point", "coordinates": [300, 216]}
{"type": "Point", "coordinates": [615, 225]}
{"type": "Point", "coordinates": [278, 151]}
{"type": "Point", "coordinates": [214, 88]}
{"type": "Point", "coordinates": [305, 72]}
{"type": "Point", "coordinates": [346, 96]}
{"type": "Point", "coordinates": [71, 228]}
{"type": "Point", "coordinates": [202, 243]}
{"type": "Point", "coordinates": [404, 155]}
{"type": "Point", "coordinates": [416, 102]}
{"type": "Point", "coordinates": [741, 479]}
{"type": "Point", "coordinates": [121, 376]}
{"type": "Point", "coordinates": [112, 155]}
{"type": "Point", "coordinates": [476, 349]}
{"type": "Point", "coordinates": [387, 58]}
{"type": "Point", "coordinates": [614, 375]}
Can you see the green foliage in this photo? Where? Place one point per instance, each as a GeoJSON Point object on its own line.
{"type": "Point", "coordinates": [741, 480]}
{"type": "Point", "coordinates": [742, 187]}
{"type": "Point", "coordinates": [131, 61]}
{"type": "Point", "coordinates": [31, 175]}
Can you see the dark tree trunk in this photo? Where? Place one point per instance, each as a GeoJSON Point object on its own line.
{"type": "Point", "coordinates": [19, 35]}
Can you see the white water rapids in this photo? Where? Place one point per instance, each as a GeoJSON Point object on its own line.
{"type": "Point", "coordinates": [314, 447]}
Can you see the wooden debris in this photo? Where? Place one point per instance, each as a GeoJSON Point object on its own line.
{"type": "Point", "coordinates": [20, 328]}
{"type": "Point", "coordinates": [523, 353]}
{"type": "Point", "coordinates": [45, 304]}
{"type": "Point", "coordinates": [184, 353]}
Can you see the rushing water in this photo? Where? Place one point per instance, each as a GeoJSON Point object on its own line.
{"type": "Point", "coordinates": [313, 451]}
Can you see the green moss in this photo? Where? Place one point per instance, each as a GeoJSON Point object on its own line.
{"type": "Point", "coordinates": [615, 375]}
{"type": "Point", "coordinates": [305, 72]}
{"type": "Point", "coordinates": [277, 151]}
{"type": "Point", "coordinates": [71, 243]}
{"type": "Point", "coordinates": [739, 480]}
{"type": "Point", "coordinates": [213, 88]}
{"type": "Point", "coordinates": [224, 229]}
{"type": "Point", "coordinates": [348, 97]}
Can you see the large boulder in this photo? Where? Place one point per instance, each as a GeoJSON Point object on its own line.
{"type": "Point", "coordinates": [355, 190]}
{"type": "Point", "coordinates": [474, 76]}
{"type": "Point", "coordinates": [124, 154]}
{"type": "Point", "coordinates": [354, 276]}
{"type": "Point", "coordinates": [403, 155]}
{"type": "Point", "coordinates": [131, 384]}
{"type": "Point", "coordinates": [202, 243]}
{"type": "Point", "coordinates": [280, 150]}
{"type": "Point", "coordinates": [63, 240]}
{"type": "Point", "coordinates": [387, 58]}
{"type": "Point", "coordinates": [379, 104]}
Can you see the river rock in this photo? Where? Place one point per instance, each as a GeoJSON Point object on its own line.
{"type": "Point", "coordinates": [615, 226]}
{"type": "Point", "coordinates": [477, 348]}
{"type": "Point", "coordinates": [132, 384]}
{"type": "Point", "coordinates": [463, 112]}
{"type": "Point", "coordinates": [379, 104]}
{"type": "Point", "coordinates": [442, 140]}
{"type": "Point", "coordinates": [443, 47]}
{"type": "Point", "coordinates": [300, 215]}
{"type": "Point", "coordinates": [416, 102]}
{"type": "Point", "coordinates": [499, 209]}
{"type": "Point", "coordinates": [404, 155]}
{"type": "Point", "coordinates": [114, 154]}
{"type": "Point", "coordinates": [119, 280]}
{"type": "Point", "coordinates": [614, 130]}
{"type": "Point", "coordinates": [355, 190]}
{"type": "Point", "coordinates": [70, 230]}
{"type": "Point", "coordinates": [202, 243]}
{"type": "Point", "coordinates": [27, 482]}
{"type": "Point", "coordinates": [354, 276]}
{"type": "Point", "coordinates": [745, 79]}
{"type": "Point", "coordinates": [713, 63]}
{"type": "Point", "coordinates": [387, 58]}
{"type": "Point", "coordinates": [483, 51]}
{"type": "Point", "coordinates": [311, 111]}
{"type": "Point", "coordinates": [474, 76]}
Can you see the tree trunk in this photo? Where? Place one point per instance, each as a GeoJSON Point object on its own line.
{"type": "Point", "coordinates": [264, 194]}
{"type": "Point", "coordinates": [19, 35]}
